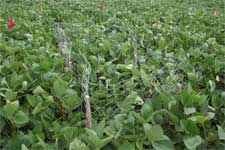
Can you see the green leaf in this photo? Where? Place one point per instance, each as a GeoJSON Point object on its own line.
{"type": "Point", "coordinates": [38, 108]}
{"type": "Point", "coordinates": [23, 147]}
{"type": "Point", "coordinates": [72, 101]}
{"type": "Point", "coordinates": [192, 142]}
{"type": "Point", "coordinates": [10, 108]}
{"type": "Point", "coordinates": [162, 42]}
{"type": "Point", "coordinates": [126, 146]}
{"type": "Point", "coordinates": [39, 90]}
{"type": "Point", "coordinates": [147, 110]}
{"type": "Point", "coordinates": [189, 126]}
{"type": "Point", "coordinates": [139, 144]}
{"type": "Point", "coordinates": [174, 119]}
{"type": "Point", "coordinates": [76, 144]}
{"type": "Point", "coordinates": [10, 95]}
{"type": "Point", "coordinates": [100, 128]}
{"type": "Point", "coordinates": [189, 110]}
{"type": "Point", "coordinates": [124, 67]}
{"type": "Point", "coordinates": [20, 119]}
{"type": "Point", "coordinates": [221, 133]}
{"type": "Point", "coordinates": [18, 139]}
{"type": "Point", "coordinates": [130, 99]}
{"type": "Point", "coordinates": [210, 115]}
{"type": "Point", "coordinates": [2, 124]}
{"type": "Point", "coordinates": [92, 138]}
{"type": "Point", "coordinates": [154, 133]}
{"type": "Point", "coordinates": [59, 87]}
{"type": "Point", "coordinates": [223, 95]}
{"type": "Point", "coordinates": [105, 141]}
{"type": "Point", "coordinates": [68, 132]}
{"type": "Point", "coordinates": [124, 48]}
{"type": "Point", "coordinates": [138, 101]}
{"type": "Point", "coordinates": [163, 145]}
{"type": "Point", "coordinates": [24, 85]}
{"type": "Point", "coordinates": [186, 98]}
{"type": "Point", "coordinates": [33, 100]}
{"type": "Point", "coordinates": [198, 118]}
{"type": "Point", "coordinates": [217, 102]}
{"type": "Point", "coordinates": [95, 141]}
{"type": "Point", "coordinates": [212, 85]}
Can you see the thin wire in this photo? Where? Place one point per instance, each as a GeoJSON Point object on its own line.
{"type": "Point", "coordinates": [85, 79]}
{"type": "Point", "coordinates": [64, 43]}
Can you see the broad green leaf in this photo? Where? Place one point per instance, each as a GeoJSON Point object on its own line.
{"type": "Point", "coordinates": [130, 99]}
{"type": "Point", "coordinates": [72, 101]}
{"type": "Point", "coordinates": [135, 72]}
{"type": "Point", "coordinates": [193, 76]}
{"type": "Point", "coordinates": [126, 146]}
{"type": "Point", "coordinates": [39, 90]}
{"type": "Point", "coordinates": [189, 110]}
{"type": "Point", "coordinates": [192, 142]}
{"type": "Point", "coordinates": [138, 117]}
{"type": "Point", "coordinates": [146, 111]}
{"type": "Point", "coordinates": [42, 143]}
{"type": "Point", "coordinates": [145, 78]}
{"type": "Point", "coordinates": [76, 144]}
{"type": "Point", "coordinates": [24, 85]}
{"type": "Point", "coordinates": [189, 126]}
{"type": "Point", "coordinates": [217, 102]}
{"type": "Point", "coordinates": [163, 145]}
{"type": "Point", "coordinates": [212, 85]}
{"type": "Point", "coordinates": [10, 108]}
{"type": "Point", "coordinates": [92, 138]}
{"type": "Point", "coordinates": [105, 141]}
{"type": "Point", "coordinates": [221, 132]}
{"type": "Point", "coordinates": [162, 42]}
{"type": "Point", "coordinates": [100, 128]}
{"type": "Point", "coordinates": [153, 133]}
{"type": "Point", "coordinates": [68, 132]}
{"type": "Point", "coordinates": [10, 95]}
{"type": "Point", "coordinates": [59, 87]}
{"type": "Point", "coordinates": [223, 95]}
{"type": "Point", "coordinates": [124, 67]}
{"type": "Point", "coordinates": [96, 141]}
{"type": "Point", "coordinates": [186, 98]}
{"type": "Point", "coordinates": [139, 144]}
{"type": "Point", "coordinates": [210, 115]}
{"type": "Point", "coordinates": [198, 118]}
{"type": "Point", "coordinates": [20, 119]}
{"type": "Point", "coordinates": [2, 124]}
{"type": "Point", "coordinates": [39, 108]}
{"type": "Point", "coordinates": [174, 119]}
{"type": "Point", "coordinates": [124, 48]}
{"type": "Point", "coordinates": [18, 139]}
{"type": "Point", "coordinates": [23, 147]}
{"type": "Point", "coordinates": [33, 100]}
{"type": "Point", "coordinates": [138, 101]}
{"type": "Point", "coordinates": [49, 99]}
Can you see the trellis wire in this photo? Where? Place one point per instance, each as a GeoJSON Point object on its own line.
{"type": "Point", "coordinates": [65, 45]}
{"type": "Point", "coordinates": [134, 45]}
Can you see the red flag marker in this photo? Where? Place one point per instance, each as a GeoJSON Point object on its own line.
{"type": "Point", "coordinates": [101, 7]}
{"type": "Point", "coordinates": [10, 23]}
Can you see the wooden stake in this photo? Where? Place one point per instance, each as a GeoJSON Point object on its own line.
{"type": "Point", "coordinates": [88, 111]}
{"type": "Point", "coordinates": [71, 69]}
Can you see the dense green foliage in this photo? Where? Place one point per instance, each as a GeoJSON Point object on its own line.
{"type": "Point", "coordinates": [172, 98]}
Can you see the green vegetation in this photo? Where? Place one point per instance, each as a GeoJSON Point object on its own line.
{"type": "Point", "coordinates": [154, 70]}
